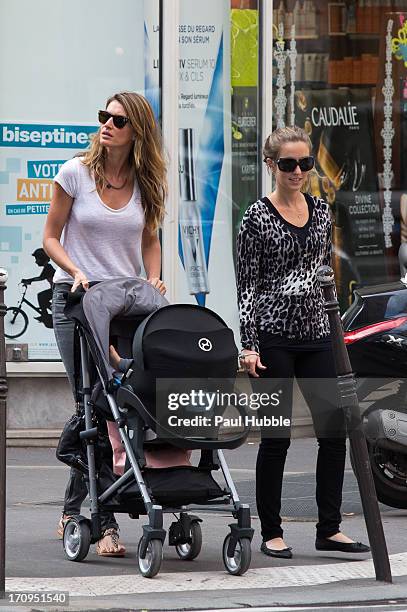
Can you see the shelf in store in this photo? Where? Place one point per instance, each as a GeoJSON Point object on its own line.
{"type": "Point", "coordinates": [357, 35]}
{"type": "Point", "coordinates": [304, 37]}
{"type": "Point", "coordinates": [325, 84]}
{"type": "Point", "coordinates": [350, 35]}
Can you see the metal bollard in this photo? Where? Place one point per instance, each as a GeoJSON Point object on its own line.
{"type": "Point", "coordinates": [350, 404]}
{"type": "Point", "coordinates": [3, 424]}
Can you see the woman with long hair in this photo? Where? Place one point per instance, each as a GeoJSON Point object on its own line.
{"type": "Point", "coordinates": [105, 212]}
{"type": "Point", "coordinates": [283, 239]}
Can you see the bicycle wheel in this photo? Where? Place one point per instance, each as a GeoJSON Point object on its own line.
{"type": "Point", "coordinates": [15, 322]}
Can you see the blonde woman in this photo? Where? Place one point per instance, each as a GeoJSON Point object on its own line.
{"type": "Point", "coordinates": [102, 223]}
{"type": "Point", "coordinates": [283, 240]}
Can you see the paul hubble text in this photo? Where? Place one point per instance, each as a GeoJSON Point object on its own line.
{"type": "Point", "coordinates": [219, 420]}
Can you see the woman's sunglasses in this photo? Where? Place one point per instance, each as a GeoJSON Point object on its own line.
{"type": "Point", "coordinates": [289, 164]}
{"type": "Point", "coordinates": [118, 120]}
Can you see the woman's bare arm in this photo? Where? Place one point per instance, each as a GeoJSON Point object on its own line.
{"type": "Point", "coordinates": [57, 217]}
{"type": "Point", "coordinates": [151, 253]}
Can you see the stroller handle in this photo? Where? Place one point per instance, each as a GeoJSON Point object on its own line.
{"type": "Point", "coordinates": [74, 297]}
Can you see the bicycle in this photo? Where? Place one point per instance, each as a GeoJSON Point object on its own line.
{"type": "Point", "coordinates": [16, 320]}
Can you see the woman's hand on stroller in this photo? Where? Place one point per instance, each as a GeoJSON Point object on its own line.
{"type": "Point", "coordinates": [80, 279]}
{"type": "Point", "coordinates": [158, 284]}
{"type": "Point", "coordinates": [250, 361]}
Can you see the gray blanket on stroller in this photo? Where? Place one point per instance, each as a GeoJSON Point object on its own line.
{"type": "Point", "coordinates": [124, 297]}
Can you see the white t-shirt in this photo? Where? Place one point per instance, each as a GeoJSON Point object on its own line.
{"type": "Point", "coordinates": [104, 243]}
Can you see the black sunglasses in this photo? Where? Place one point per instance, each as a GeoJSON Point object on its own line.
{"type": "Point", "coordinates": [289, 164]}
{"type": "Point", "coordinates": [118, 120]}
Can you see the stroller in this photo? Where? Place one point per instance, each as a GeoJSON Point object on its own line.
{"type": "Point", "coordinates": [163, 342]}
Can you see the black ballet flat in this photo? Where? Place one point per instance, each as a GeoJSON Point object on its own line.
{"type": "Point", "coordinates": [285, 553]}
{"type": "Point", "coordinates": [348, 547]}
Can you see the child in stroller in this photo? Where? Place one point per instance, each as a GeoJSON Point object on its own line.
{"type": "Point", "coordinates": [158, 457]}
{"type": "Point", "coordinates": [166, 342]}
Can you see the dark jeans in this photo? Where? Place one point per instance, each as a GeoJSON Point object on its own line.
{"type": "Point", "coordinates": [329, 424]}
{"type": "Point", "coordinates": [76, 490]}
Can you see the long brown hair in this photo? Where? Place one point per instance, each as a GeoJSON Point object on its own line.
{"type": "Point", "coordinates": [146, 156]}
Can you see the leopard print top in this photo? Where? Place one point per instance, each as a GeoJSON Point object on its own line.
{"type": "Point", "coordinates": [277, 288]}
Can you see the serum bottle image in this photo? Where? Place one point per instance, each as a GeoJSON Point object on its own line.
{"type": "Point", "coordinates": [190, 221]}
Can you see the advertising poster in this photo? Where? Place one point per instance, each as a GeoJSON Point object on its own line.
{"type": "Point", "coordinates": [206, 274]}
{"type": "Point", "coordinates": [31, 155]}
{"type": "Point", "coordinates": [244, 68]}
{"type": "Point", "coordinates": [340, 125]}
{"type": "Point", "coordinates": [48, 109]}
{"type": "Point", "coordinates": [151, 55]}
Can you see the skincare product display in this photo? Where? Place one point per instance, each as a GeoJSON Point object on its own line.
{"type": "Point", "coordinates": [190, 221]}
{"type": "Point", "coordinates": [310, 67]}
{"type": "Point", "coordinates": [357, 70]}
{"type": "Point", "coordinates": [303, 14]}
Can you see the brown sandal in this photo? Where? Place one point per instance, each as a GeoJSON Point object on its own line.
{"type": "Point", "coordinates": [61, 525]}
{"type": "Point", "coordinates": [109, 544]}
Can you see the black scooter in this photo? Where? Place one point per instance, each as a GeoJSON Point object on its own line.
{"type": "Point", "coordinates": [375, 329]}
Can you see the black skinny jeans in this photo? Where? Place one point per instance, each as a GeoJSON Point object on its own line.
{"type": "Point", "coordinates": [329, 424]}
{"type": "Point", "coordinates": [76, 490]}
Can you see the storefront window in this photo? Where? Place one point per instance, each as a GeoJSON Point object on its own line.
{"type": "Point", "coordinates": [70, 61]}
{"type": "Point", "coordinates": [340, 71]}
{"type": "Point", "coordinates": [203, 143]}
{"type": "Point", "coordinates": [245, 106]}
{"type": "Point", "coordinates": [218, 44]}
{"type": "Point", "coordinates": [59, 62]}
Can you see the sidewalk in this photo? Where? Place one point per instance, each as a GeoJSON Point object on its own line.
{"type": "Point", "coordinates": [35, 559]}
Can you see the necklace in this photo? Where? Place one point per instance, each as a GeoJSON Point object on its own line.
{"type": "Point", "coordinates": [299, 215]}
{"type": "Point", "coordinates": [292, 207]}
{"type": "Point", "coordinates": [110, 186]}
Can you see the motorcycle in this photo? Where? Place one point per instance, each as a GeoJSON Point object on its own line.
{"type": "Point", "coordinates": [375, 331]}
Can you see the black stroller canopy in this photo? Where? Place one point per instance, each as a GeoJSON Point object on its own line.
{"type": "Point", "coordinates": [185, 340]}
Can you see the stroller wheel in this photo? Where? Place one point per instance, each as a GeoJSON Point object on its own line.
{"type": "Point", "coordinates": [189, 551]}
{"type": "Point", "coordinates": [150, 565]}
{"type": "Point", "coordinates": [76, 539]}
{"type": "Point", "coordinates": [240, 562]}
